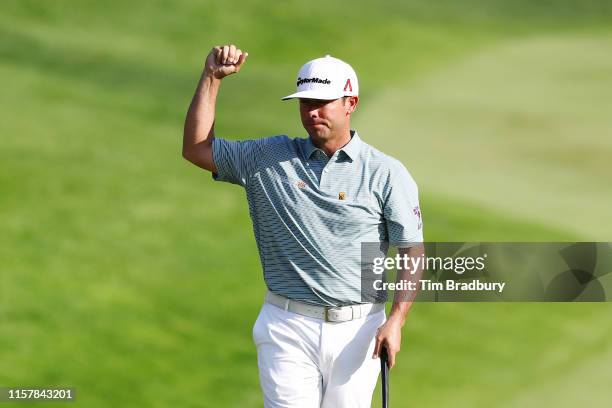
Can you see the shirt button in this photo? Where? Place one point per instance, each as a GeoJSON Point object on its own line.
{"type": "Point", "coordinates": [326, 169]}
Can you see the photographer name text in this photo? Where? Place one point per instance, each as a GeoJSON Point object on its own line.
{"type": "Point", "coordinates": [448, 285]}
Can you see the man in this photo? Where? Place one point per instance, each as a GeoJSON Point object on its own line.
{"type": "Point", "coordinates": [313, 202]}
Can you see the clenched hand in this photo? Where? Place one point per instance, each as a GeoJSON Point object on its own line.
{"type": "Point", "coordinates": [224, 60]}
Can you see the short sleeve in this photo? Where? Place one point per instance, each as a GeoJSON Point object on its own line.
{"type": "Point", "coordinates": [235, 160]}
{"type": "Point", "coordinates": [401, 211]}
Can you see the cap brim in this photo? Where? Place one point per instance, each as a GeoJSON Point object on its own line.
{"type": "Point", "coordinates": [313, 94]}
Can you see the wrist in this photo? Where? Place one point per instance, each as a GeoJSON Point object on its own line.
{"type": "Point", "coordinates": [209, 78]}
{"type": "Point", "coordinates": [209, 85]}
{"type": "Point", "coordinates": [396, 319]}
{"type": "Point", "coordinates": [399, 311]}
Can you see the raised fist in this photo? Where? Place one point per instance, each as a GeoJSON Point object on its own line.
{"type": "Point", "coordinates": [224, 60]}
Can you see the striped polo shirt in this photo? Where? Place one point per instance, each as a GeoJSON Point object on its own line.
{"type": "Point", "coordinates": [311, 212]}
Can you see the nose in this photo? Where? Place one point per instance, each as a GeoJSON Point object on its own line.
{"type": "Point", "coordinates": [310, 109]}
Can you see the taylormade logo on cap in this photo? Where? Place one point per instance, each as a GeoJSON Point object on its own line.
{"type": "Point", "coordinates": [301, 81]}
{"type": "Point", "coordinates": [325, 78]}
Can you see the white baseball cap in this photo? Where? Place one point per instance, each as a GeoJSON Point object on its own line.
{"type": "Point", "coordinates": [325, 78]}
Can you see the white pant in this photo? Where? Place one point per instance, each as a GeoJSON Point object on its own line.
{"type": "Point", "coordinates": [308, 363]}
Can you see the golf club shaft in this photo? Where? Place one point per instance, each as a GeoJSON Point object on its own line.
{"type": "Point", "coordinates": [384, 369]}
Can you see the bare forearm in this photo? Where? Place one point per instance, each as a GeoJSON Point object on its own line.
{"type": "Point", "coordinates": [199, 130]}
{"type": "Point", "coordinates": [199, 124]}
{"type": "Point", "coordinates": [403, 300]}
{"type": "Point", "coordinates": [389, 335]}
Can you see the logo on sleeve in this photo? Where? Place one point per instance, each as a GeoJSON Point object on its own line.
{"type": "Point", "coordinates": [417, 213]}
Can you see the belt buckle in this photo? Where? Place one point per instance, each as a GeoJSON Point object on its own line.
{"type": "Point", "coordinates": [327, 317]}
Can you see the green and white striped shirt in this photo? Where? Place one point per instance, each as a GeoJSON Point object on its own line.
{"type": "Point", "coordinates": [311, 213]}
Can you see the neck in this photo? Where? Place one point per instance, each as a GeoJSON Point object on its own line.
{"type": "Point", "coordinates": [334, 143]}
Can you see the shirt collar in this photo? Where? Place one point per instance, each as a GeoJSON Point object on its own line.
{"type": "Point", "coordinates": [351, 149]}
{"type": "Point", "coordinates": [309, 148]}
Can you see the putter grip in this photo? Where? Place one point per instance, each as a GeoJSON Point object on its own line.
{"type": "Point", "coordinates": [384, 370]}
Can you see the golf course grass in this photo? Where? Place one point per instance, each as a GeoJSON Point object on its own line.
{"type": "Point", "coordinates": [128, 274]}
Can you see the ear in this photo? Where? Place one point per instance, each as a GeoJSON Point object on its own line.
{"type": "Point", "coordinates": [351, 104]}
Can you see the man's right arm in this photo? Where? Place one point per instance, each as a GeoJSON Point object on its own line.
{"type": "Point", "coordinates": [199, 132]}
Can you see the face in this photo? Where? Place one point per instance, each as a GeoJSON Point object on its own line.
{"type": "Point", "coordinates": [323, 119]}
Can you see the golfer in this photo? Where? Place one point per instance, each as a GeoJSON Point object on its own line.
{"type": "Point", "coordinates": [313, 201]}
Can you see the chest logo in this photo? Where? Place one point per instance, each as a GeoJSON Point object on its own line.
{"type": "Point", "coordinates": [301, 184]}
{"type": "Point", "coordinates": [341, 195]}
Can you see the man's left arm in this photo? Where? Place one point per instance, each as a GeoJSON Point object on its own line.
{"type": "Point", "coordinates": [389, 335]}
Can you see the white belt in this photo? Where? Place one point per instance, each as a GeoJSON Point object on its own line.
{"type": "Point", "coordinates": [329, 314]}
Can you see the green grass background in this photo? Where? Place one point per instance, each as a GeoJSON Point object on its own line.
{"type": "Point", "coordinates": [128, 274]}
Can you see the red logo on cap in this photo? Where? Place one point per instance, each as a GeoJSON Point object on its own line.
{"type": "Point", "coordinates": [348, 85]}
